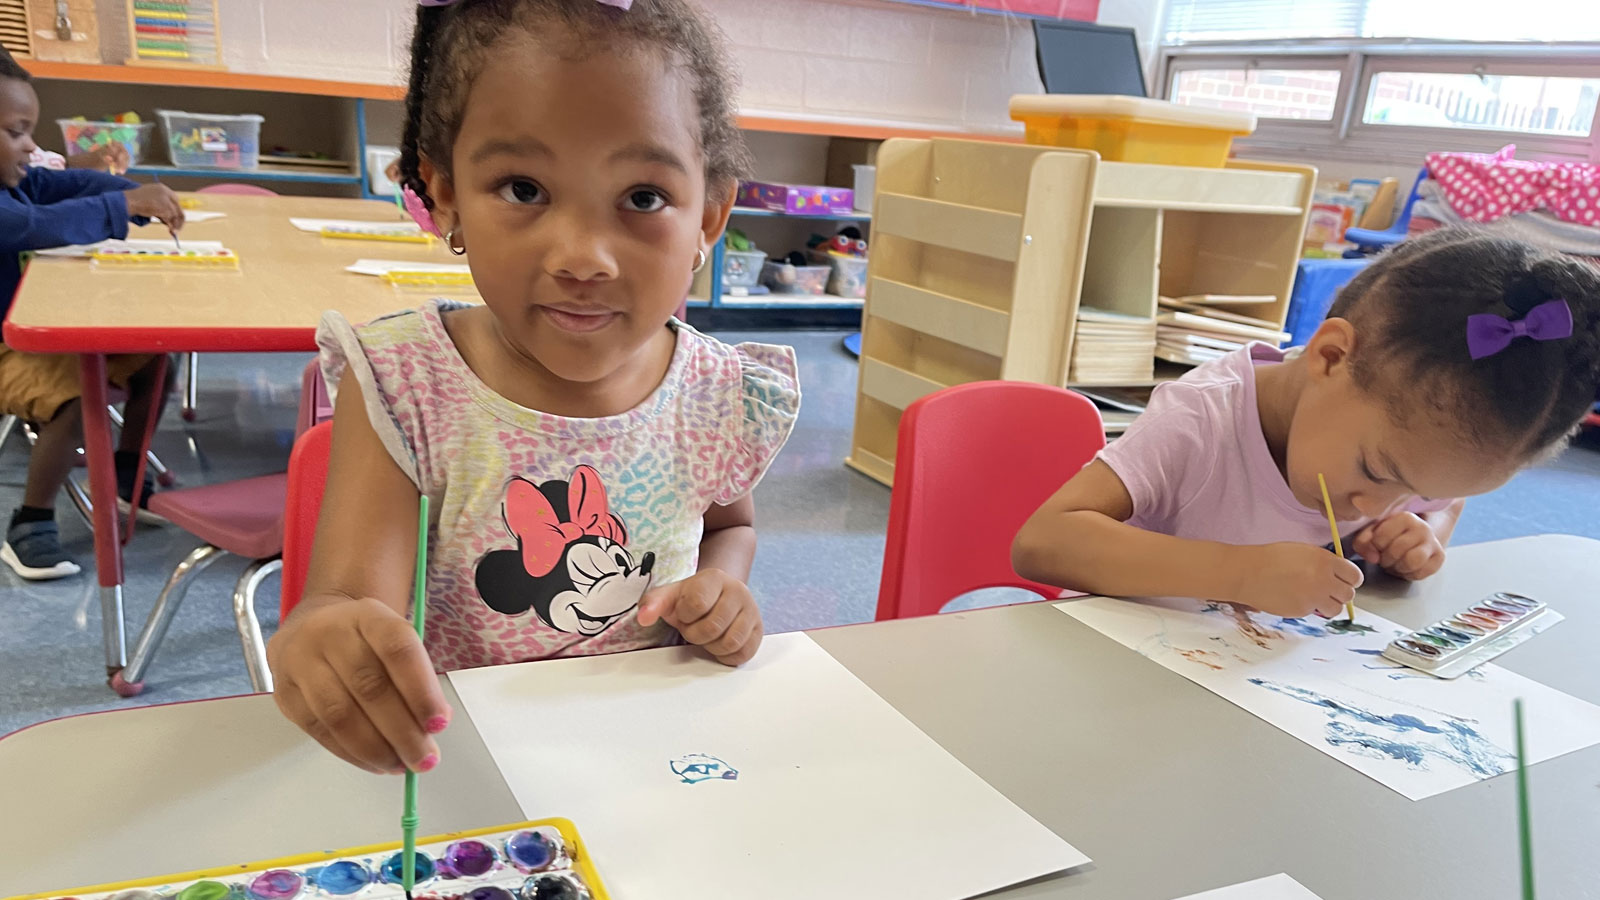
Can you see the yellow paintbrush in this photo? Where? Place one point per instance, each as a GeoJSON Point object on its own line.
{"type": "Point", "coordinates": [1333, 526]}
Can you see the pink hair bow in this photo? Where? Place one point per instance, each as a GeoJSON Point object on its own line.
{"type": "Point", "coordinates": [619, 4]}
{"type": "Point", "coordinates": [543, 536]}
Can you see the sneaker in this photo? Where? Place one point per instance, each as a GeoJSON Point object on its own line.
{"type": "Point", "coordinates": [33, 551]}
{"type": "Point", "coordinates": [145, 516]}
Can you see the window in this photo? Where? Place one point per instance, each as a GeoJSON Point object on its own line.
{"type": "Point", "coordinates": [1460, 20]}
{"type": "Point", "coordinates": [1273, 93]}
{"type": "Point", "coordinates": [1518, 103]}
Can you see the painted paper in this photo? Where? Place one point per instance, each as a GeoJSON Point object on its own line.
{"type": "Point", "coordinates": [1329, 686]}
{"type": "Point", "coordinates": [315, 226]}
{"type": "Point", "coordinates": [784, 779]}
{"type": "Point", "coordinates": [1274, 887]}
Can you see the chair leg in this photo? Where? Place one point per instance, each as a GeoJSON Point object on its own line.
{"type": "Point", "coordinates": [7, 425]}
{"type": "Point", "coordinates": [244, 617]}
{"type": "Point", "coordinates": [191, 387]}
{"type": "Point", "coordinates": [130, 681]}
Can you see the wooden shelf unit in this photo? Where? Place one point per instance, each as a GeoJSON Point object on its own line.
{"type": "Point", "coordinates": [982, 252]}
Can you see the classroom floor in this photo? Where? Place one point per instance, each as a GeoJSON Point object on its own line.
{"type": "Point", "coordinates": [821, 529]}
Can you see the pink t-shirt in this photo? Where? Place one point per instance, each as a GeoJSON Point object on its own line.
{"type": "Point", "coordinates": [1197, 465]}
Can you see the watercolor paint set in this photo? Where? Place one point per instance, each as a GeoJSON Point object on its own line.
{"type": "Point", "coordinates": [1462, 642]}
{"type": "Point", "coordinates": [145, 257]}
{"type": "Point", "coordinates": [398, 234]}
{"type": "Point", "coordinates": [543, 860]}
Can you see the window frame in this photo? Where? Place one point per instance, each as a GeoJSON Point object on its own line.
{"type": "Point", "coordinates": [1347, 137]}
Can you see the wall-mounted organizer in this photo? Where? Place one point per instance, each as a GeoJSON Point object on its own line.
{"type": "Point", "coordinates": [183, 33]}
{"type": "Point", "coordinates": [15, 35]}
{"type": "Point", "coordinates": [983, 253]}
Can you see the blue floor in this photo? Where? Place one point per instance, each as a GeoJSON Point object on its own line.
{"type": "Point", "coordinates": [821, 532]}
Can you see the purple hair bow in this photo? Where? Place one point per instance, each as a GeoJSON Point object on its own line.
{"type": "Point", "coordinates": [1488, 334]}
{"type": "Point", "coordinates": [619, 4]}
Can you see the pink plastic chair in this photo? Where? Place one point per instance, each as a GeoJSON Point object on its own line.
{"type": "Point", "coordinates": [238, 190]}
{"type": "Point", "coordinates": [973, 463]}
{"type": "Point", "coordinates": [308, 481]}
{"type": "Point", "coordinates": [244, 518]}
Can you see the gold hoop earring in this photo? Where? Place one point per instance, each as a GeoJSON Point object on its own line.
{"type": "Point", "coordinates": [450, 241]}
{"type": "Point", "coordinates": [699, 262]}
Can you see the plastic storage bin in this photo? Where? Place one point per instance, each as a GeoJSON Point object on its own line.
{"type": "Point", "coordinates": [849, 277]}
{"type": "Point", "coordinates": [866, 184]}
{"type": "Point", "coordinates": [742, 268]}
{"type": "Point", "coordinates": [378, 160]}
{"type": "Point", "coordinates": [807, 279]}
{"type": "Point", "coordinates": [81, 136]}
{"type": "Point", "coordinates": [212, 142]}
{"type": "Point", "coordinates": [796, 199]}
{"type": "Point", "coordinates": [1132, 129]}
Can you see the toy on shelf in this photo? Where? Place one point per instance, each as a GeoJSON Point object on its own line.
{"type": "Point", "coordinates": [792, 275]}
{"type": "Point", "coordinates": [742, 262]}
{"type": "Point", "coordinates": [175, 33]}
{"type": "Point", "coordinates": [84, 136]}
{"type": "Point", "coordinates": [845, 254]}
{"type": "Point", "coordinates": [796, 199]}
{"type": "Point", "coordinates": [212, 141]}
{"type": "Point", "coordinates": [62, 30]}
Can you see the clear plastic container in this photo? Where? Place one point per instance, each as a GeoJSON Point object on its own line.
{"type": "Point", "coordinates": [804, 280]}
{"type": "Point", "coordinates": [212, 142]}
{"type": "Point", "coordinates": [82, 137]}
{"type": "Point", "coordinates": [742, 268]}
{"type": "Point", "coordinates": [849, 277]}
{"type": "Point", "coordinates": [866, 184]}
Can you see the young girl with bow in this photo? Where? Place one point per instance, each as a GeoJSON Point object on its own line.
{"type": "Point", "coordinates": [588, 458]}
{"type": "Point", "coordinates": [1449, 364]}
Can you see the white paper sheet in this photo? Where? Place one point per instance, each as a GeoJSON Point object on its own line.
{"type": "Point", "coordinates": [836, 793]}
{"type": "Point", "coordinates": [385, 266]}
{"type": "Point", "coordinates": [1273, 887]}
{"type": "Point", "coordinates": [194, 216]}
{"type": "Point", "coordinates": [1414, 733]}
{"type": "Point", "coordinates": [315, 226]}
{"type": "Point", "coordinates": [83, 250]}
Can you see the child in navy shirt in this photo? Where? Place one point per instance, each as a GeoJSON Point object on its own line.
{"type": "Point", "coordinates": [39, 209]}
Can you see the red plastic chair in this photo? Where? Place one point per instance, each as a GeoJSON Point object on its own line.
{"type": "Point", "coordinates": [244, 518]}
{"type": "Point", "coordinates": [238, 190]}
{"type": "Point", "coordinates": [974, 462]}
{"type": "Point", "coordinates": [308, 481]}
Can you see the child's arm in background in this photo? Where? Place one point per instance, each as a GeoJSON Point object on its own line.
{"type": "Point", "coordinates": [1080, 539]}
{"type": "Point", "coordinates": [70, 220]}
{"type": "Point", "coordinates": [348, 666]}
{"type": "Point", "coordinates": [714, 608]}
{"type": "Point", "coordinates": [1408, 545]}
{"type": "Point", "coordinates": [70, 184]}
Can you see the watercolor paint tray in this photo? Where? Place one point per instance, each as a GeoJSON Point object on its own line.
{"type": "Point", "coordinates": [1460, 643]}
{"type": "Point", "coordinates": [543, 860]}
{"type": "Point", "coordinates": [143, 257]}
{"type": "Point", "coordinates": [399, 235]}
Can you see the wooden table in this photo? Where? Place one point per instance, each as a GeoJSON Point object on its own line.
{"type": "Point", "coordinates": [286, 280]}
{"type": "Point", "coordinates": [1171, 789]}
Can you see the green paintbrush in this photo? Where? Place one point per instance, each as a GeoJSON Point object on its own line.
{"type": "Point", "coordinates": [419, 610]}
{"type": "Point", "coordinates": [1524, 826]}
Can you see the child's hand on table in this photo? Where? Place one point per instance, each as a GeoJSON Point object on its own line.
{"type": "Point", "coordinates": [1295, 580]}
{"type": "Point", "coordinates": [156, 201]}
{"type": "Point", "coordinates": [711, 609]}
{"type": "Point", "coordinates": [354, 675]}
{"type": "Point", "coordinates": [1403, 544]}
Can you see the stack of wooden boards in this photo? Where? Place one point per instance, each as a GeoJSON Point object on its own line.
{"type": "Point", "coordinates": [1194, 330]}
{"type": "Point", "coordinates": [1112, 348]}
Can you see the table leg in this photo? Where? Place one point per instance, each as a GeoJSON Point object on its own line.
{"type": "Point", "coordinates": [103, 492]}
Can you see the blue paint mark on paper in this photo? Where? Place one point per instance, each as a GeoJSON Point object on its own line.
{"type": "Point", "coordinates": [1401, 736]}
{"type": "Point", "coordinates": [697, 767]}
{"type": "Point", "coordinates": [1301, 626]}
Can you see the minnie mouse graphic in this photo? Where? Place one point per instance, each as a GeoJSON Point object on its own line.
{"type": "Point", "coordinates": [571, 565]}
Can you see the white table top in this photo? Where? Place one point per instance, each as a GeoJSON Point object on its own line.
{"type": "Point", "coordinates": [1171, 789]}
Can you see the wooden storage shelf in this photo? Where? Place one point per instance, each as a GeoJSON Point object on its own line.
{"type": "Point", "coordinates": [983, 251]}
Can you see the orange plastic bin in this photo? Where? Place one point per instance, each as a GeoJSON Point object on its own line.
{"type": "Point", "coordinates": [1132, 129]}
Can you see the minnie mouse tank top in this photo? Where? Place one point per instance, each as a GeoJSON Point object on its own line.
{"type": "Point", "coordinates": [548, 530]}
